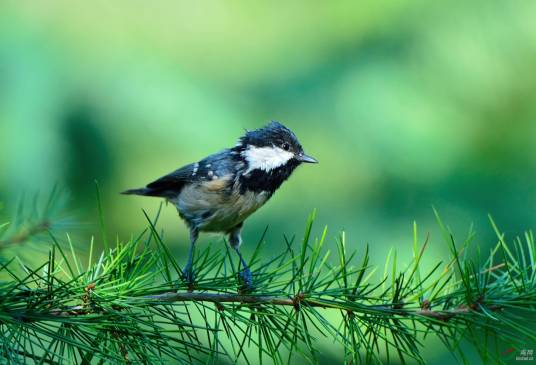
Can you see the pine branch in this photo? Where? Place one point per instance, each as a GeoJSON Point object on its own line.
{"type": "Point", "coordinates": [27, 233]}
{"type": "Point", "coordinates": [34, 220]}
{"type": "Point", "coordinates": [296, 302]}
{"type": "Point", "coordinates": [129, 304]}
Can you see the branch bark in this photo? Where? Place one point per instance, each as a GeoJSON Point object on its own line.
{"type": "Point", "coordinates": [296, 302]}
{"type": "Point", "coordinates": [26, 234]}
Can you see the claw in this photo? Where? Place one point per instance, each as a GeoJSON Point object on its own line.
{"type": "Point", "coordinates": [246, 278]}
{"type": "Point", "coordinates": [188, 275]}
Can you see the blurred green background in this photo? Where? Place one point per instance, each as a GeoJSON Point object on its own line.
{"type": "Point", "coordinates": [407, 105]}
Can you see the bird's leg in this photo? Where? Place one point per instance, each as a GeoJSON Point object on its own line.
{"type": "Point", "coordinates": [187, 272]}
{"type": "Point", "coordinates": [235, 240]}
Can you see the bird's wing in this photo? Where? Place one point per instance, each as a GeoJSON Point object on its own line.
{"type": "Point", "coordinates": [171, 184]}
{"type": "Point", "coordinates": [212, 168]}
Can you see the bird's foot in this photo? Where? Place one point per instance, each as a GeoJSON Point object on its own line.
{"type": "Point", "coordinates": [246, 279]}
{"type": "Point", "coordinates": [188, 275]}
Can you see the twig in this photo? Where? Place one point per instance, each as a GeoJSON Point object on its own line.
{"type": "Point", "coordinates": [27, 233]}
{"type": "Point", "coordinates": [302, 300]}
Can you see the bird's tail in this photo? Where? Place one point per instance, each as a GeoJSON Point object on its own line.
{"type": "Point", "coordinates": [141, 191]}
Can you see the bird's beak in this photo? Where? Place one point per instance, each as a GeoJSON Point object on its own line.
{"type": "Point", "coordinates": [302, 157]}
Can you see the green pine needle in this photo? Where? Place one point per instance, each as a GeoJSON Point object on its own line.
{"type": "Point", "coordinates": [128, 304]}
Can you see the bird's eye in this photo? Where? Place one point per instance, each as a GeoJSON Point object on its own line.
{"type": "Point", "coordinates": [286, 146]}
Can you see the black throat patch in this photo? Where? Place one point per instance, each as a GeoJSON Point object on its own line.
{"type": "Point", "coordinates": [260, 180]}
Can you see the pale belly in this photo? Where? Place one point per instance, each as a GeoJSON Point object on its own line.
{"type": "Point", "coordinates": [212, 210]}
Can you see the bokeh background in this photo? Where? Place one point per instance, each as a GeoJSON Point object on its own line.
{"type": "Point", "coordinates": [407, 105]}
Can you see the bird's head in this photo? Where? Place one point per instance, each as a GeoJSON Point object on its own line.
{"type": "Point", "coordinates": [272, 147]}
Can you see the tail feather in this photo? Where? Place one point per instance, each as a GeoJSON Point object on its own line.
{"type": "Point", "coordinates": [142, 191]}
{"type": "Point", "coordinates": [160, 193]}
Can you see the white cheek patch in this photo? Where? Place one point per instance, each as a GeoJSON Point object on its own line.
{"type": "Point", "coordinates": [266, 158]}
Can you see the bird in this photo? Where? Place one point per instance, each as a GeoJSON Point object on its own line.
{"type": "Point", "coordinates": [218, 193]}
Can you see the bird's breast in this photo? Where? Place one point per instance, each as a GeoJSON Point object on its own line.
{"type": "Point", "coordinates": [217, 206]}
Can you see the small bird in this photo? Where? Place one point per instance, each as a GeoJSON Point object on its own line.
{"type": "Point", "coordinates": [222, 190]}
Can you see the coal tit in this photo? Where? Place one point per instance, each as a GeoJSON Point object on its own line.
{"type": "Point", "coordinates": [219, 192]}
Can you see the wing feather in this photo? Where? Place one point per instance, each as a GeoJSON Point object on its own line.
{"type": "Point", "coordinates": [172, 184]}
{"type": "Point", "coordinates": [211, 168]}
